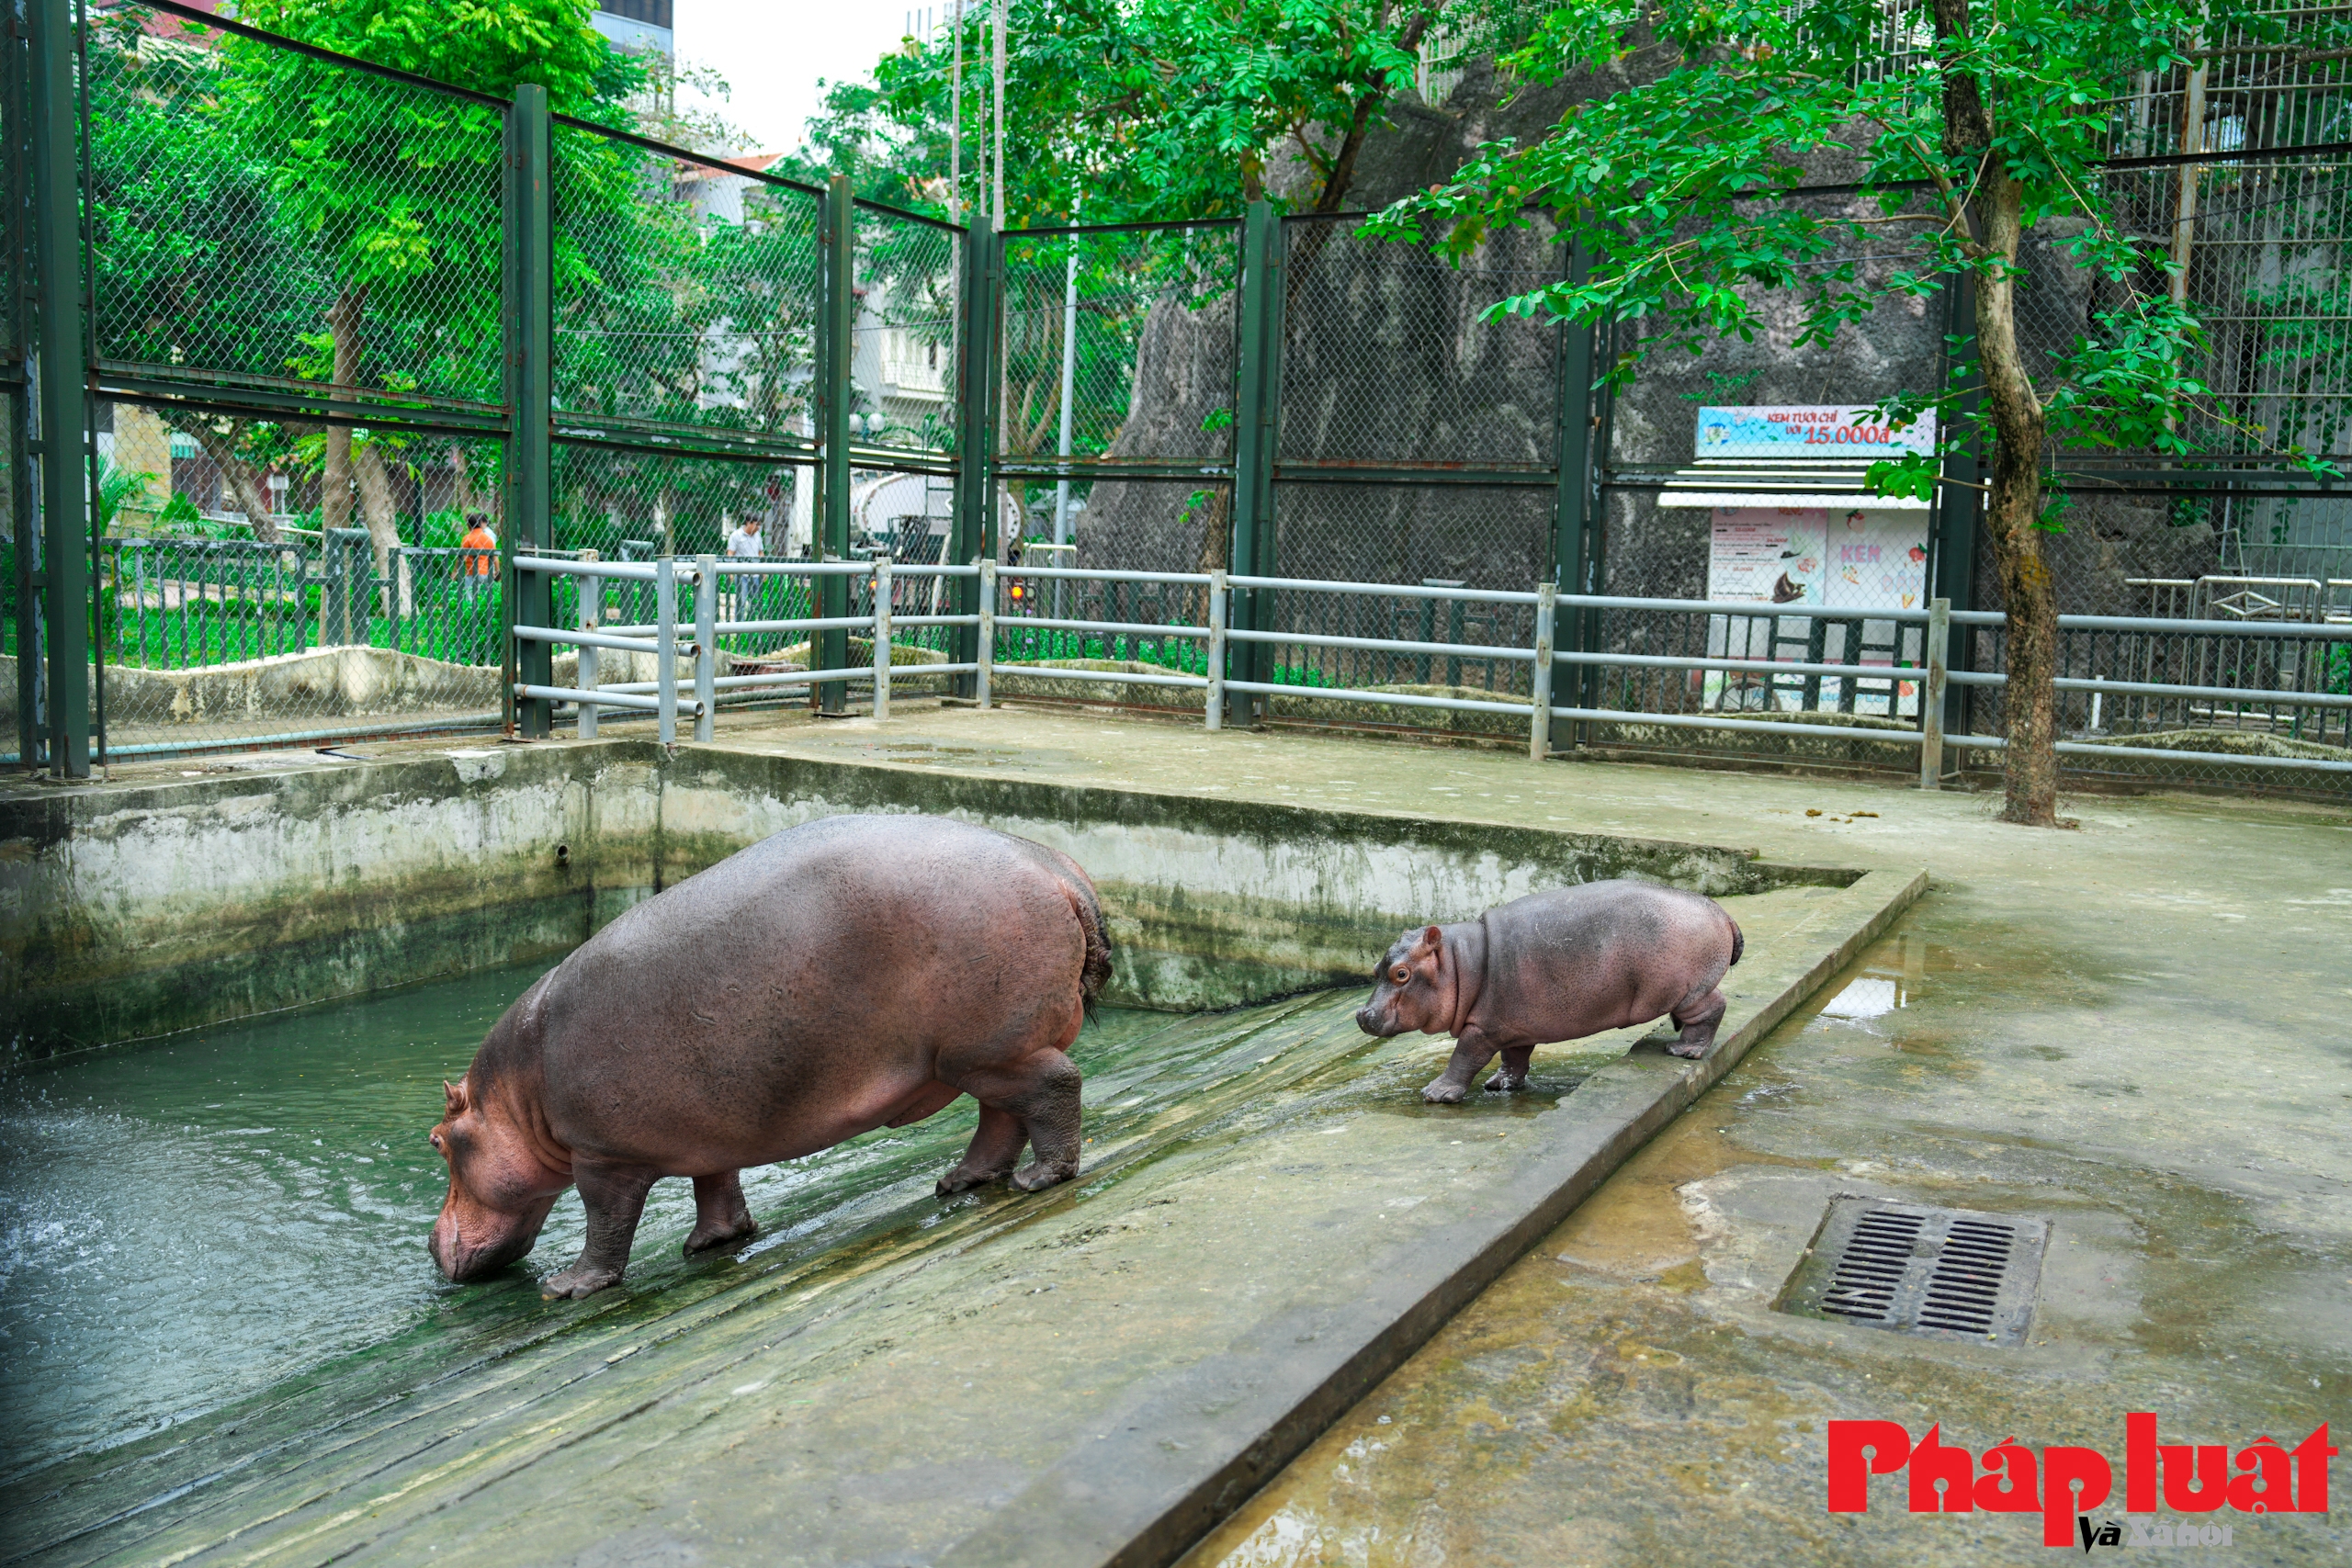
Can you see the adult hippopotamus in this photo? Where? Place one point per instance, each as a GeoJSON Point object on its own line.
{"type": "Point", "coordinates": [1555, 967]}
{"type": "Point", "coordinates": [856, 973]}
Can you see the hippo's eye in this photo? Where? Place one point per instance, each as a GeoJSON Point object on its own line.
{"type": "Point", "coordinates": [434, 1138]}
{"type": "Point", "coordinates": [1400, 974]}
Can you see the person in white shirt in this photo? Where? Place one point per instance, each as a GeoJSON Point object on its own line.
{"type": "Point", "coordinates": [743, 543]}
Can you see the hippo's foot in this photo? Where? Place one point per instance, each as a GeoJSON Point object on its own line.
{"type": "Point", "coordinates": [580, 1279]}
{"type": "Point", "coordinates": [708, 1234]}
{"type": "Point", "coordinates": [963, 1178]}
{"type": "Point", "coordinates": [1694, 1051]}
{"type": "Point", "coordinates": [1504, 1083]}
{"type": "Point", "coordinates": [1038, 1175]}
{"type": "Point", "coordinates": [1442, 1091]}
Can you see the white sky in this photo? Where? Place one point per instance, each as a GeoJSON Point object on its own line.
{"type": "Point", "coordinates": [773, 54]}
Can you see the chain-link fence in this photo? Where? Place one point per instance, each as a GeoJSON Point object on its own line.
{"type": "Point", "coordinates": [306, 324]}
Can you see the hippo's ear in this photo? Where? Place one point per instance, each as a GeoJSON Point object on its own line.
{"type": "Point", "coordinates": [453, 1097]}
{"type": "Point", "coordinates": [1433, 939]}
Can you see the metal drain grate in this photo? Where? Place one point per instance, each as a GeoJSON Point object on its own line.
{"type": "Point", "coordinates": [1944, 1273]}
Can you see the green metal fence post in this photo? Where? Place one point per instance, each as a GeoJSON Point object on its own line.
{"type": "Point", "coordinates": [972, 533]}
{"type": "Point", "coordinates": [1575, 546]}
{"type": "Point", "coordinates": [528, 598]}
{"type": "Point", "coordinates": [1257, 400]}
{"type": "Point", "coordinates": [60, 389]}
{"type": "Point", "coordinates": [837, 319]}
{"type": "Point", "coordinates": [1953, 519]}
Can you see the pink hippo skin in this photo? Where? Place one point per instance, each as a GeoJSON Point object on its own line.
{"type": "Point", "coordinates": [856, 973]}
{"type": "Point", "coordinates": [1555, 966]}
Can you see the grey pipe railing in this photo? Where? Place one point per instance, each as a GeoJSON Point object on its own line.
{"type": "Point", "coordinates": [1219, 635]}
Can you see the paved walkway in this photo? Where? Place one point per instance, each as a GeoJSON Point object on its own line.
{"type": "Point", "coordinates": [2138, 1029]}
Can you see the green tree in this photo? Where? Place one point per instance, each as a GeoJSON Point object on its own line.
{"type": "Point", "coordinates": [1158, 109]}
{"type": "Point", "coordinates": [395, 190]}
{"type": "Point", "coordinates": [1969, 122]}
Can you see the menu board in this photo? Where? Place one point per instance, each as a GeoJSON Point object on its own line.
{"type": "Point", "coordinates": [1771, 555]}
{"type": "Point", "coordinates": [1855, 560]}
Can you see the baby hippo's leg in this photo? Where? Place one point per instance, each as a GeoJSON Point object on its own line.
{"type": "Point", "coordinates": [614, 1197]}
{"type": "Point", "coordinates": [1697, 1017]}
{"type": "Point", "coordinates": [1471, 1051]}
{"type": "Point", "coordinates": [720, 1214]}
{"type": "Point", "coordinates": [1511, 1076]}
{"type": "Point", "coordinates": [995, 1149]}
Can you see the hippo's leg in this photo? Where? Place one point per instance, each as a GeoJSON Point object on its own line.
{"type": "Point", "coordinates": [1041, 1090]}
{"type": "Point", "coordinates": [1471, 1051]}
{"type": "Point", "coordinates": [1512, 1074]}
{"type": "Point", "coordinates": [995, 1149]}
{"type": "Point", "coordinates": [1697, 1018]}
{"type": "Point", "coordinates": [720, 1214]}
{"type": "Point", "coordinates": [615, 1197]}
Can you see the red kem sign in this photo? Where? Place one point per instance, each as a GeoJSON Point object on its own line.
{"type": "Point", "coordinates": [2262, 1478]}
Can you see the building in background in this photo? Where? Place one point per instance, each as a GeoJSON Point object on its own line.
{"type": "Point", "coordinates": [637, 24]}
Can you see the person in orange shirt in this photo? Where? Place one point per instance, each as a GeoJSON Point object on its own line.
{"type": "Point", "coordinates": [478, 569]}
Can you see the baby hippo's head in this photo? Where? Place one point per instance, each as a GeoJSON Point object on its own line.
{"type": "Point", "coordinates": [499, 1192]}
{"type": "Point", "coordinates": [1413, 989]}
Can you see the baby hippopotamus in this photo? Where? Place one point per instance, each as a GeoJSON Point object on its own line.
{"type": "Point", "coordinates": [854, 972]}
{"type": "Point", "coordinates": [1555, 966]}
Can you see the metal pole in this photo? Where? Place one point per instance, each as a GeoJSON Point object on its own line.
{"type": "Point", "coordinates": [529, 598]}
{"type": "Point", "coordinates": [955, 120]}
{"type": "Point", "coordinates": [1253, 446]}
{"type": "Point", "coordinates": [1574, 513]}
{"type": "Point", "coordinates": [1539, 726]}
{"type": "Point", "coordinates": [996, 215]}
{"type": "Point", "coordinates": [705, 645]}
{"type": "Point", "coordinates": [665, 649]}
{"type": "Point", "coordinates": [592, 615]}
{"type": "Point", "coordinates": [63, 409]}
{"type": "Point", "coordinates": [972, 532]}
{"type": "Point", "coordinates": [881, 636]}
{"type": "Point", "coordinates": [1070, 380]}
{"type": "Point", "coordinates": [829, 649]}
{"type": "Point", "coordinates": [1214, 715]}
{"type": "Point", "coordinates": [987, 654]}
{"type": "Point", "coordinates": [1931, 696]}
{"type": "Point", "coordinates": [1953, 574]}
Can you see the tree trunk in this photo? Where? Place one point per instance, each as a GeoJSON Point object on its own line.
{"type": "Point", "coordinates": [1216, 532]}
{"type": "Point", "coordinates": [2012, 513]}
{"type": "Point", "coordinates": [252, 495]}
{"type": "Point", "coordinates": [1995, 216]}
{"type": "Point", "coordinates": [462, 477]}
{"type": "Point", "coordinates": [379, 509]}
{"type": "Point", "coordinates": [343, 327]}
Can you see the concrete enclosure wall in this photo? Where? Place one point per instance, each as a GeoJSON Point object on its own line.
{"type": "Point", "coordinates": [131, 910]}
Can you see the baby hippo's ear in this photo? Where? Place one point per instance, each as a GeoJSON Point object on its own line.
{"type": "Point", "coordinates": [1431, 939]}
{"type": "Point", "coordinates": [453, 1097]}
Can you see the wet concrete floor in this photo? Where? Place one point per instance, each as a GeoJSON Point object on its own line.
{"type": "Point", "coordinates": [2136, 1029]}
{"type": "Point", "coordinates": [2139, 1029]}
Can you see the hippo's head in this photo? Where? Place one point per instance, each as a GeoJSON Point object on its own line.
{"type": "Point", "coordinates": [499, 1192]}
{"type": "Point", "coordinates": [1413, 989]}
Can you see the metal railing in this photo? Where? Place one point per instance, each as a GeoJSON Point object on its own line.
{"type": "Point", "coordinates": [1921, 686]}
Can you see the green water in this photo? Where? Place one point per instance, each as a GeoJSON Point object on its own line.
{"type": "Point", "coordinates": [215, 1242]}
{"type": "Point", "coordinates": [186, 1224]}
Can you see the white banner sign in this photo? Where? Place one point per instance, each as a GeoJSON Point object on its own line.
{"type": "Point", "coordinates": [1809, 430]}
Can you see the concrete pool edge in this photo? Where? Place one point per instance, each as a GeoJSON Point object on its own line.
{"type": "Point", "coordinates": [149, 906]}
{"type": "Point", "coordinates": [1183, 1455]}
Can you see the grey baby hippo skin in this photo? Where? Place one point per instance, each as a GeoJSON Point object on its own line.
{"type": "Point", "coordinates": [1555, 966]}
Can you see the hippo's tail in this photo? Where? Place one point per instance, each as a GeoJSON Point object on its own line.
{"type": "Point", "coordinates": [1738, 943]}
{"type": "Point", "coordinates": [1095, 970]}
